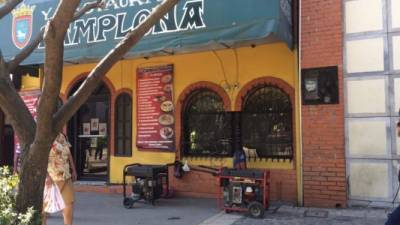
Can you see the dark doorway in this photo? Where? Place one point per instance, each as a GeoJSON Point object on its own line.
{"type": "Point", "coordinates": [88, 133]}
{"type": "Point", "coordinates": [2, 150]}
{"type": "Point", "coordinates": [8, 145]}
{"type": "Point", "coordinates": [6, 142]}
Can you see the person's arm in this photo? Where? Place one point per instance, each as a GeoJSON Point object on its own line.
{"type": "Point", "coordinates": [49, 181]}
{"type": "Point", "coordinates": [72, 164]}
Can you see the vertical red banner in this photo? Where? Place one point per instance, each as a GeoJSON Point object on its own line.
{"type": "Point", "coordinates": [30, 99]}
{"type": "Point", "coordinates": [155, 108]}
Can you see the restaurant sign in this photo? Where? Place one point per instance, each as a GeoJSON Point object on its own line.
{"type": "Point", "coordinates": [155, 108]}
{"type": "Point", "coordinates": [190, 25]}
{"type": "Point", "coordinates": [30, 99]}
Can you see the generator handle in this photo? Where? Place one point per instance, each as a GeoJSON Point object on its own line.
{"type": "Point", "coordinates": [124, 176]}
{"type": "Point", "coordinates": [129, 165]}
{"type": "Point", "coordinates": [212, 171]}
{"type": "Point", "coordinates": [209, 167]}
{"type": "Point", "coordinates": [171, 164]}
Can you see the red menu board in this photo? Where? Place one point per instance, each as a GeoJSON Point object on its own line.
{"type": "Point", "coordinates": [30, 99]}
{"type": "Point", "coordinates": [155, 108]}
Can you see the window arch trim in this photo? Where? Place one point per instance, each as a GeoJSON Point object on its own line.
{"type": "Point", "coordinates": [271, 81]}
{"type": "Point", "coordinates": [275, 82]}
{"type": "Point", "coordinates": [180, 104]}
{"type": "Point", "coordinates": [260, 86]}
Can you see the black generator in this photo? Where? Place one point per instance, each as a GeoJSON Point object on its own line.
{"type": "Point", "coordinates": [150, 182]}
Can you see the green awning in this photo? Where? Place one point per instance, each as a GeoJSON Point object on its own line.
{"type": "Point", "coordinates": [193, 25]}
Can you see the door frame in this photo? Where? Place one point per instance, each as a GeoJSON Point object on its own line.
{"type": "Point", "coordinates": [110, 128]}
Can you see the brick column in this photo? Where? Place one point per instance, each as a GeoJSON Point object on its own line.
{"type": "Point", "coordinates": [323, 125]}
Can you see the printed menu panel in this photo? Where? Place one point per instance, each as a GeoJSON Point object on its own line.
{"type": "Point", "coordinates": [155, 108]}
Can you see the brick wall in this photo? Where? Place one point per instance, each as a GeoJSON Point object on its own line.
{"type": "Point", "coordinates": [323, 125]}
{"type": "Point", "coordinates": [197, 184]}
{"type": "Point", "coordinates": [284, 186]}
{"type": "Point", "coordinates": [202, 185]}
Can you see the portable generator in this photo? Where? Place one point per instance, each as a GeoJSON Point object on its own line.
{"type": "Point", "coordinates": [150, 182]}
{"type": "Point", "coordinates": [245, 191]}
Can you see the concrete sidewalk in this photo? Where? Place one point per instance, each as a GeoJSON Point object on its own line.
{"type": "Point", "coordinates": [107, 209]}
{"type": "Point", "coordinates": [286, 215]}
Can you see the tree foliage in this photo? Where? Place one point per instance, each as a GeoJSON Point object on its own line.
{"type": "Point", "coordinates": [8, 192]}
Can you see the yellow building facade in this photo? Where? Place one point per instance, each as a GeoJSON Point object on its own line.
{"type": "Point", "coordinates": [231, 70]}
{"type": "Point", "coordinates": [235, 89]}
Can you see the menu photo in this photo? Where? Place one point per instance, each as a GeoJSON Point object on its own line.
{"type": "Point", "coordinates": [94, 124]}
{"type": "Point", "coordinates": [103, 129]}
{"type": "Point", "coordinates": [86, 128]}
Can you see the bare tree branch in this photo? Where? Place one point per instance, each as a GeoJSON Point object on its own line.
{"type": "Point", "coordinates": [89, 6]}
{"type": "Point", "coordinates": [55, 32]}
{"type": "Point", "coordinates": [8, 7]}
{"type": "Point", "coordinates": [14, 108]}
{"type": "Point", "coordinates": [21, 56]}
{"type": "Point", "coordinates": [94, 78]}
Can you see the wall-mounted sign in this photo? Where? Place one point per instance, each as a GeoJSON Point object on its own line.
{"type": "Point", "coordinates": [320, 85]}
{"type": "Point", "coordinates": [155, 108]}
{"type": "Point", "coordinates": [30, 99]}
{"type": "Point", "coordinates": [192, 25]}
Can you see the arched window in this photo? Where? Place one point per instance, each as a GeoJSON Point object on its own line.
{"type": "Point", "coordinates": [123, 125]}
{"type": "Point", "coordinates": [206, 128]}
{"type": "Point", "coordinates": [267, 122]}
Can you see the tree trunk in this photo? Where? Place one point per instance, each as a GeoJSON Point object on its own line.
{"type": "Point", "coordinates": [35, 158]}
{"type": "Point", "coordinates": [30, 191]}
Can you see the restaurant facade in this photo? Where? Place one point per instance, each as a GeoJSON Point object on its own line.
{"type": "Point", "coordinates": [203, 83]}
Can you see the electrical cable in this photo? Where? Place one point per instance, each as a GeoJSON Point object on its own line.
{"type": "Point", "coordinates": [237, 65]}
{"type": "Point", "coordinates": [222, 67]}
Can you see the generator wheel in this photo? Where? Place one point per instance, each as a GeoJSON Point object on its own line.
{"type": "Point", "coordinates": [256, 210]}
{"type": "Point", "coordinates": [128, 203]}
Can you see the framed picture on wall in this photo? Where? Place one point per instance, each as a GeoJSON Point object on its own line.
{"type": "Point", "coordinates": [93, 142]}
{"type": "Point", "coordinates": [103, 129]}
{"type": "Point", "coordinates": [94, 124]}
{"type": "Point", "coordinates": [320, 85]}
{"type": "Point", "coordinates": [86, 128]}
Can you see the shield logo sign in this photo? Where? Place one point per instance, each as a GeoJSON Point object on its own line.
{"type": "Point", "coordinates": [22, 25]}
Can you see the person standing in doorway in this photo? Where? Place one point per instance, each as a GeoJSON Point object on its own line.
{"type": "Point", "coordinates": [59, 169]}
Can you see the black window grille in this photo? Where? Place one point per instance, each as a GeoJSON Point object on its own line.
{"type": "Point", "coordinates": [123, 125]}
{"type": "Point", "coordinates": [267, 122]}
{"type": "Point", "coordinates": [207, 129]}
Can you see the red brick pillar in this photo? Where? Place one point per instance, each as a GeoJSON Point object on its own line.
{"type": "Point", "coordinates": [323, 125]}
